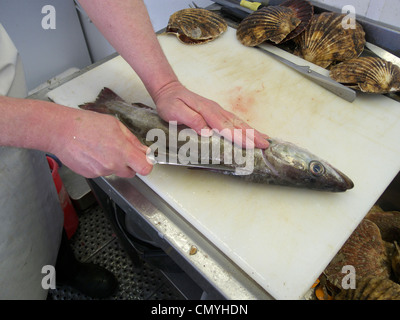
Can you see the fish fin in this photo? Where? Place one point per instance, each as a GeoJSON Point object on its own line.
{"type": "Point", "coordinates": [105, 95]}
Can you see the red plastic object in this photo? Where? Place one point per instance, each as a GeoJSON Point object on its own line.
{"type": "Point", "coordinates": [71, 220]}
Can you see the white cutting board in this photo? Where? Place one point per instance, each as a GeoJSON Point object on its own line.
{"type": "Point", "coordinates": [282, 237]}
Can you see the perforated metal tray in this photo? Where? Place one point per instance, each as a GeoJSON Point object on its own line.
{"type": "Point", "coordinates": [95, 242]}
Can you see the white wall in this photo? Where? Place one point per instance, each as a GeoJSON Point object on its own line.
{"type": "Point", "coordinates": [45, 53]}
{"type": "Point", "coordinates": [159, 11]}
{"type": "Point", "coordinates": [387, 11]}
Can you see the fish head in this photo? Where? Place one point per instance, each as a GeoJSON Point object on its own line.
{"type": "Point", "coordinates": [297, 166]}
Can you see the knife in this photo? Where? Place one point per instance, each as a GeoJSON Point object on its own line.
{"type": "Point", "coordinates": [236, 171]}
{"type": "Point", "coordinates": [233, 5]}
{"type": "Point", "coordinates": [252, 5]}
{"type": "Point", "coordinates": [324, 81]}
{"type": "Point", "coordinates": [219, 167]}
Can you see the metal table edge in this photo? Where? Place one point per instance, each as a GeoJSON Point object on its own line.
{"type": "Point", "coordinates": [219, 273]}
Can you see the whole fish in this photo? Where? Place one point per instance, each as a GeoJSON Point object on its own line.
{"type": "Point", "coordinates": [282, 163]}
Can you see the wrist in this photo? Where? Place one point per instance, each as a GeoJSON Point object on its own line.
{"type": "Point", "coordinates": [172, 86]}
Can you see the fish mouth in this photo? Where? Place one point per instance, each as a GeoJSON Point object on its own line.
{"type": "Point", "coordinates": [346, 184]}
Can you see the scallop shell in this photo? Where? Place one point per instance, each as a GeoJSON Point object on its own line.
{"type": "Point", "coordinates": [372, 288]}
{"type": "Point", "coordinates": [368, 74]}
{"type": "Point", "coordinates": [326, 41]}
{"type": "Point", "coordinates": [365, 251]}
{"type": "Point", "coordinates": [196, 25]}
{"type": "Point", "coordinates": [304, 11]}
{"type": "Point", "coordinates": [272, 23]}
{"type": "Point", "coordinates": [388, 223]}
{"type": "Point", "coordinates": [396, 261]}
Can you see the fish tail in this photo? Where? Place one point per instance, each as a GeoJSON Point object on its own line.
{"type": "Point", "coordinates": [106, 95]}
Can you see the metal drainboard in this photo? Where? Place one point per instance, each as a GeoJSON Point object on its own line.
{"type": "Point", "coordinates": [95, 242]}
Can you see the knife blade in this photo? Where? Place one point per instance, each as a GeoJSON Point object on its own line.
{"type": "Point", "coordinates": [215, 167]}
{"type": "Point", "coordinates": [382, 53]}
{"type": "Point", "coordinates": [324, 81]}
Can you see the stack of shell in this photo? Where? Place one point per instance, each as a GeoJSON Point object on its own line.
{"type": "Point", "coordinates": [373, 252]}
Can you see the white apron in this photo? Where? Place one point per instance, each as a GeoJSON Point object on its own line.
{"type": "Point", "coordinates": [31, 217]}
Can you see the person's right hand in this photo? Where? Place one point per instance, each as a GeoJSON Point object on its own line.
{"type": "Point", "coordinates": [94, 144]}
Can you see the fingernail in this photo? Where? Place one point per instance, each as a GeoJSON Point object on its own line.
{"type": "Point", "coordinates": [262, 143]}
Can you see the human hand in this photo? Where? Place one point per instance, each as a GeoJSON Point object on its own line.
{"type": "Point", "coordinates": [176, 103]}
{"type": "Point", "coordinates": [99, 145]}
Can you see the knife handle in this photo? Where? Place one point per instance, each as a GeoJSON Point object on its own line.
{"type": "Point", "coordinates": [234, 13]}
{"type": "Point", "coordinates": [251, 5]}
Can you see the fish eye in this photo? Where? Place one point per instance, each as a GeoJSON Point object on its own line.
{"type": "Point", "coordinates": [317, 168]}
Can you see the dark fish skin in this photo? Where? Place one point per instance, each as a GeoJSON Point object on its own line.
{"type": "Point", "coordinates": [282, 163]}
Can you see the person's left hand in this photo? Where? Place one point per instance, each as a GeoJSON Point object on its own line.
{"type": "Point", "coordinates": [176, 103]}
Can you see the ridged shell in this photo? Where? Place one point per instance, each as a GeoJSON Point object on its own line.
{"type": "Point", "coordinates": [372, 288]}
{"type": "Point", "coordinates": [368, 74]}
{"type": "Point", "coordinates": [272, 23]}
{"type": "Point", "coordinates": [304, 11]}
{"type": "Point", "coordinates": [396, 262]}
{"type": "Point", "coordinates": [196, 25]}
{"type": "Point", "coordinates": [365, 251]}
{"type": "Point", "coordinates": [325, 40]}
{"type": "Point", "coordinates": [388, 223]}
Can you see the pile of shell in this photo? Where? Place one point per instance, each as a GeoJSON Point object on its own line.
{"type": "Point", "coordinates": [275, 23]}
{"type": "Point", "coordinates": [373, 252]}
{"type": "Point", "coordinates": [324, 39]}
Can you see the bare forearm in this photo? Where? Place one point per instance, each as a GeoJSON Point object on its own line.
{"type": "Point", "coordinates": [31, 123]}
{"type": "Point", "coordinates": [89, 143]}
{"type": "Point", "coordinates": [127, 26]}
